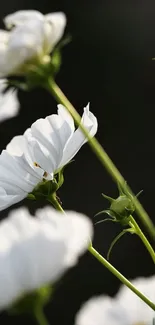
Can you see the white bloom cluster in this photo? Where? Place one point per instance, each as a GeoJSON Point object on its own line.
{"type": "Point", "coordinates": [37, 251]}
{"type": "Point", "coordinates": [9, 104]}
{"type": "Point", "coordinates": [125, 309]}
{"type": "Point", "coordinates": [44, 148]}
{"type": "Point", "coordinates": [31, 39]}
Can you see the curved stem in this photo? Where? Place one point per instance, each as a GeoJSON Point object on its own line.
{"type": "Point", "coordinates": [40, 317]}
{"type": "Point", "coordinates": [139, 232]}
{"type": "Point", "coordinates": [121, 234]}
{"type": "Point", "coordinates": [112, 269]}
{"type": "Point", "coordinates": [53, 88]}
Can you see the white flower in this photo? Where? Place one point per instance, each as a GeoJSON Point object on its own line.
{"type": "Point", "coordinates": [36, 251]}
{"type": "Point", "coordinates": [125, 309]}
{"type": "Point", "coordinates": [47, 146]}
{"type": "Point", "coordinates": [52, 142]}
{"type": "Point", "coordinates": [30, 41]}
{"type": "Point", "coordinates": [9, 104]}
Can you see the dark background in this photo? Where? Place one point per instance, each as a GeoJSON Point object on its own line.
{"type": "Point", "coordinates": [108, 63]}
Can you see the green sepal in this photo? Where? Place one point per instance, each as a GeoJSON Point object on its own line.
{"type": "Point", "coordinates": [102, 212]}
{"type": "Point", "coordinates": [139, 193]}
{"type": "Point", "coordinates": [104, 220]}
{"type": "Point", "coordinates": [110, 199]}
{"type": "Point", "coordinates": [120, 188]}
{"type": "Point", "coordinates": [31, 196]}
{"type": "Point", "coordinates": [55, 63]}
{"type": "Point", "coordinates": [20, 84]}
{"type": "Point", "coordinates": [115, 217]}
{"type": "Point", "coordinates": [43, 190]}
{"type": "Point", "coordinates": [30, 302]}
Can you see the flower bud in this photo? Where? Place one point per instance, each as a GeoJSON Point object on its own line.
{"type": "Point", "coordinates": [122, 206]}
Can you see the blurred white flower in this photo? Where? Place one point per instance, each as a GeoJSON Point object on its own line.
{"type": "Point", "coordinates": [52, 142]}
{"type": "Point", "coordinates": [30, 41]}
{"type": "Point", "coordinates": [37, 251]}
{"type": "Point", "coordinates": [125, 309]}
{"type": "Point", "coordinates": [9, 104]}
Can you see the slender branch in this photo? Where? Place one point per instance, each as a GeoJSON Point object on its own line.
{"type": "Point", "coordinates": [53, 88]}
{"type": "Point", "coordinates": [113, 270]}
{"type": "Point", "coordinates": [40, 317]}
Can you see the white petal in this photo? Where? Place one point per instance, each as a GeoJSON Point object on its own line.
{"type": "Point", "coordinates": [46, 144]}
{"type": "Point", "coordinates": [6, 200]}
{"type": "Point", "coordinates": [78, 139]}
{"type": "Point", "coordinates": [17, 179]}
{"type": "Point", "coordinates": [19, 147]}
{"type": "Point", "coordinates": [48, 137]}
{"type": "Point", "coordinates": [65, 115]}
{"type": "Point", "coordinates": [21, 17]}
{"type": "Point", "coordinates": [33, 251]}
{"type": "Point", "coordinates": [16, 173]}
{"type": "Point", "coordinates": [3, 59]}
{"type": "Point", "coordinates": [25, 43]}
{"type": "Point", "coordinates": [101, 311]}
{"type": "Point", "coordinates": [9, 104]}
{"type": "Point", "coordinates": [54, 28]}
{"type": "Point", "coordinates": [4, 37]}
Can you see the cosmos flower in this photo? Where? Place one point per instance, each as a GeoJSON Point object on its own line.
{"type": "Point", "coordinates": [125, 309]}
{"type": "Point", "coordinates": [44, 149]}
{"type": "Point", "coordinates": [53, 141]}
{"type": "Point", "coordinates": [36, 251]}
{"type": "Point", "coordinates": [9, 104]}
{"type": "Point", "coordinates": [30, 41]}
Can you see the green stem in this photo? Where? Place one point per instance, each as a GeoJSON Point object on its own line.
{"type": "Point", "coordinates": [53, 88]}
{"type": "Point", "coordinates": [112, 269]}
{"type": "Point", "coordinates": [55, 203]}
{"type": "Point", "coordinates": [40, 317]}
{"type": "Point", "coordinates": [139, 232]}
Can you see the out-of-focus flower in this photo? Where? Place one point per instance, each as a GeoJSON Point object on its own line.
{"type": "Point", "coordinates": [52, 142]}
{"type": "Point", "coordinates": [36, 251]}
{"type": "Point", "coordinates": [9, 104]}
{"type": "Point", "coordinates": [125, 309]}
{"type": "Point", "coordinates": [31, 40]}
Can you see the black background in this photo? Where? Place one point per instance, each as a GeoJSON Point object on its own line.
{"type": "Point", "coordinates": [108, 63]}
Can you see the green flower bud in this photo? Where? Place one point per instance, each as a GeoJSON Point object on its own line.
{"type": "Point", "coordinates": [122, 206]}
